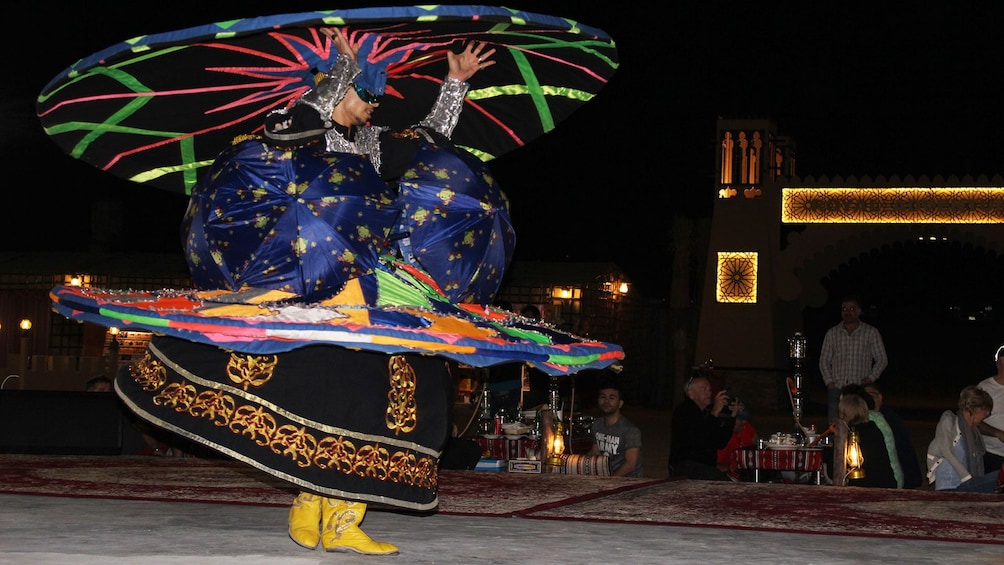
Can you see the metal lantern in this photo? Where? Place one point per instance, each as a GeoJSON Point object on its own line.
{"type": "Point", "coordinates": [853, 456]}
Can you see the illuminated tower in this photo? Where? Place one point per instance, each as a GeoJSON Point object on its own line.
{"type": "Point", "coordinates": [737, 324]}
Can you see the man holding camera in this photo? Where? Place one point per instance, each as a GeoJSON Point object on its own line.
{"type": "Point", "coordinates": [701, 425]}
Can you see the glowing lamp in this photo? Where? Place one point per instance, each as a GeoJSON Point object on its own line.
{"type": "Point", "coordinates": [556, 448]}
{"type": "Point", "coordinates": [852, 455]}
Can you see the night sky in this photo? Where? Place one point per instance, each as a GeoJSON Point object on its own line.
{"type": "Point", "coordinates": [862, 92]}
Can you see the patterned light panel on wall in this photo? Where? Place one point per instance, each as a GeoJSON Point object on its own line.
{"type": "Point", "coordinates": [956, 205]}
{"type": "Point", "coordinates": [737, 273]}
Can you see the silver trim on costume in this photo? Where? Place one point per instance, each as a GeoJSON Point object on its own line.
{"type": "Point", "coordinates": [332, 88]}
{"type": "Point", "coordinates": [445, 111]}
{"type": "Point", "coordinates": [367, 142]}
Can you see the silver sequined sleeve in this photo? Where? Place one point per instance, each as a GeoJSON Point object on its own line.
{"type": "Point", "coordinates": [368, 143]}
{"type": "Point", "coordinates": [446, 111]}
{"type": "Point", "coordinates": [332, 88]}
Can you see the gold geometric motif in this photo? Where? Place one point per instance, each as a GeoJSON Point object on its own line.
{"type": "Point", "coordinates": [251, 370]}
{"type": "Point", "coordinates": [336, 453]}
{"type": "Point", "coordinates": [254, 423]}
{"type": "Point", "coordinates": [372, 462]}
{"type": "Point", "coordinates": [424, 474]}
{"type": "Point", "coordinates": [148, 372]}
{"type": "Point", "coordinates": [737, 277]}
{"type": "Point", "coordinates": [214, 406]}
{"type": "Point", "coordinates": [176, 395]}
{"type": "Point", "coordinates": [402, 409]}
{"type": "Point", "coordinates": [915, 205]}
{"type": "Point", "coordinates": [297, 443]}
{"type": "Point", "coordinates": [401, 467]}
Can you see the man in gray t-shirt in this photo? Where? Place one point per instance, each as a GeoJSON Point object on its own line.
{"type": "Point", "coordinates": [615, 436]}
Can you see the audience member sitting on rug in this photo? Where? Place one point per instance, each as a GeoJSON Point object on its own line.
{"type": "Point", "coordinates": [888, 436]}
{"type": "Point", "coordinates": [99, 383]}
{"type": "Point", "coordinates": [700, 428]}
{"type": "Point", "coordinates": [614, 435]}
{"type": "Point", "coordinates": [955, 455]}
{"type": "Point", "coordinates": [853, 410]}
{"type": "Point", "coordinates": [743, 434]}
{"type": "Point", "coordinates": [992, 427]}
{"type": "Point", "coordinates": [908, 462]}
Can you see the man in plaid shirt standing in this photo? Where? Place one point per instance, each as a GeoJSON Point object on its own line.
{"type": "Point", "coordinates": [852, 353]}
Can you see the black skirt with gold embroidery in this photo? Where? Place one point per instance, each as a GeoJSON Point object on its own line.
{"type": "Point", "coordinates": [342, 423]}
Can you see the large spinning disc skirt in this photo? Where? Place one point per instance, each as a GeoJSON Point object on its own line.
{"type": "Point", "coordinates": [348, 397]}
{"type": "Point", "coordinates": [343, 423]}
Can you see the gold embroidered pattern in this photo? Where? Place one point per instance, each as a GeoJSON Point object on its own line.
{"type": "Point", "coordinates": [148, 372]}
{"type": "Point", "coordinates": [255, 423]}
{"type": "Point", "coordinates": [402, 410]}
{"type": "Point", "coordinates": [372, 461]}
{"type": "Point", "coordinates": [301, 444]}
{"type": "Point", "coordinates": [176, 395]}
{"type": "Point", "coordinates": [404, 134]}
{"type": "Point", "coordinates": [251, 370]}
{"type": "Point", "coordinates": [214, 406]}
{"type": "Point", "coordinates": [295, 443]}
{"type": "Point", "coordinates": [242, 138]}
{"type": "Point", "coordinates": [335, 453]}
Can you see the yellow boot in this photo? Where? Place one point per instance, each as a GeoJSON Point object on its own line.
{"type": "Point", "coordinates": [305, 520]}
{"type": "Point", "coordinates": [340, 529]}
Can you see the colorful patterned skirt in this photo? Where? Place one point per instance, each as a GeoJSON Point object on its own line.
{"type": "Point", "coordinates": [339, 422]}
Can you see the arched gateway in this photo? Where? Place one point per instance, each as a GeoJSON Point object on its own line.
{"type": "Point", "coordinates": [776, 237]}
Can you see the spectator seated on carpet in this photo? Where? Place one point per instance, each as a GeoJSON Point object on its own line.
{"type": "Point", "coordinates": [853, 410]}
{"type": "Point", "coordinates": [955, 455]}
{"type": "Point", "coordinates": [888, 436]}
{"type": "Point", "coordinates": [702, 424]}
{"type": "Point", "coordinates": [908, 462]}
{"type": "Point", "coordinates": [614, 436]}
{"type": "Point", "coordinates": [99, 383]}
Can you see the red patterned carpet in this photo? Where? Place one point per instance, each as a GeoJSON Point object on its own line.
{"type": "Point", "coordinates": [914, 514]}
{"type": "Point", "coordinates": [807, 509]}
{"type": "Point", "coordinates": [229, 482]}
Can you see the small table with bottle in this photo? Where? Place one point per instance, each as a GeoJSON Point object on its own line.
{"type": "Point", "coordinates": [507, 435]}
{"type": "Point", "coordinates": [782, 452]}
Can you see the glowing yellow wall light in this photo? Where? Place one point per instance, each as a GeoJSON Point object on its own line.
{"type": "Point", "coordinates": [737, 276]}
{"type": "Point", "coordinates": [956, 205]}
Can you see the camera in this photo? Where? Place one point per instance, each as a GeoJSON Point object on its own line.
{"type": "Point", "coordinates": [732, 399]}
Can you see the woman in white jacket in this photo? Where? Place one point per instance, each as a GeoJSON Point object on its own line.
{"type": "Point", "coordinates": [955, 455]}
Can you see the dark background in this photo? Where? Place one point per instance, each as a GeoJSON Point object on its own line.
{"type": "Point", "coordinates": [863, 91]}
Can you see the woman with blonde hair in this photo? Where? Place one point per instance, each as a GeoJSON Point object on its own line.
{"type": "Point", "coordinates": [958, 442]}
{"type": "Point", "coordinates": [853, 410]}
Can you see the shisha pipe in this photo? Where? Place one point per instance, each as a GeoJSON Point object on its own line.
{"type": "Point", "coordinates": [796, 350]}
{"type": "Point", "coordinates": [794, 394]}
